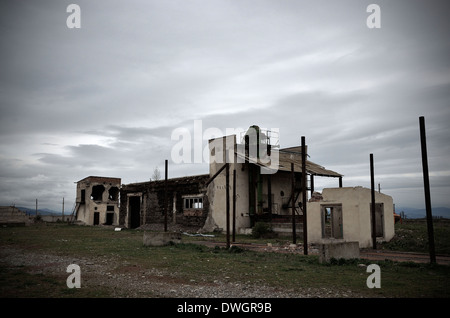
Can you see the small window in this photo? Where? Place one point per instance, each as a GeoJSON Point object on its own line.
{"type": "Point", "coordinates": [193, 203]}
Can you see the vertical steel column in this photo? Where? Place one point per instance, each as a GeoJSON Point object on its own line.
{"type": "Point", "coordinates": [227, 193]}
{"type": "Point", "coordinates": [294, 235]}
{"type": "Point", "coordinates": [304, 195]}
{"type": "Point", "coordinates": [372, 185]}
{"type": "Point", "coordinates": [165, 196]}
{"type": "Point", "coordinates": [234, 204]}
{"type": "Point", "coordinates": [426, 184]}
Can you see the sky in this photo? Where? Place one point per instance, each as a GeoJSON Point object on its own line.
{"type": "Point", "coordinates": [105, 98]}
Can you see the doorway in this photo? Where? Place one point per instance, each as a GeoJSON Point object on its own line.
{"type": "Point", "coordinates": [332, 221]}
{"type": "Point", "coordinates": [134, 211]}
{"type": "Point", "coordinates": [96, 218]}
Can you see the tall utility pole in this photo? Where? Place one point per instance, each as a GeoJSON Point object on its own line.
{"type": "Point", "coordinates": [294, 234]}
{"type": "Point", "coordinates": [63, 210]}
{"type": "Point", "coordinates": [372, 184]}
{"type": "Point", "coordinates": [165, 195]}
{"type": "Point", "coordinates": [426, 184]}
{"type": "Point", "coordinates": [304, 193]}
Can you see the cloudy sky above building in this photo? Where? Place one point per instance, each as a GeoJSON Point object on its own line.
{"type": "Point", "coordinates": [105, 98]}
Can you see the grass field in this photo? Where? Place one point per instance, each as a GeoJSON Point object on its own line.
{"type": "Point", "coordinates": [189, 262]}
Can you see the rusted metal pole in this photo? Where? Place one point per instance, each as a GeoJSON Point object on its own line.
{"type": "Point", "coordinates": [426, 184]}
{"type": "Point", "coordinates": [304, 198]}
{"type": "Point", "coordinates": [227, 191]}
{"type": "Point", "coordinates": [234, 205]}
{"type": "Point", "coordinates": [372, 185]}
{"type": "Point", "coordinates": [294, 234]}
{"type": "Point", "coordinates": [165, 195]}
{"type": "Point", "coordinates": [269, 195]}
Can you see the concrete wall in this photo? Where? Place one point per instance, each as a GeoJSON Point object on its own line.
{"type": "Point", "coordinates": [87, 207]}
{"type": "Point", "coordinates": [151, 201]}
{"type": "Point", "coordinates": [356, 217]}
{"type": "Point", "coordinates": [280, 188]}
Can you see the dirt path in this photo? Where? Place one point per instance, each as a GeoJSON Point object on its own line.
{"type": "Point", "coordinates": [370, 254]}
{"type": "Point", "coordinates": [125, 279]}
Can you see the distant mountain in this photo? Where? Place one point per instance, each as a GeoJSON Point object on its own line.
{"type": "Point", "coordinates": [412, 213]}
{"type": "Point", "coordinates": [40, 211]}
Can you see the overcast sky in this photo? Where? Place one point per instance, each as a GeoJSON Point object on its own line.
{"type": "Point", "coordinates": [104, 99]}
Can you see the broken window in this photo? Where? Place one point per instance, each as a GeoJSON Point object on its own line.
{"type": "Point", "coordinates": [113, 194]}
{"type": "Point", "coordinates": [83, 196]}
{"type": "Point", "coordinates": [193, 203]}
{"type": "Point", "coordinates": [97, 192]}
{"type": "Point", "coordinates": [332, 221]}
{"type": "Point", "coordinates": [193, 206]}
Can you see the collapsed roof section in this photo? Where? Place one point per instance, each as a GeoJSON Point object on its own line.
{"type": "Point", "coordinates": [286, 157]}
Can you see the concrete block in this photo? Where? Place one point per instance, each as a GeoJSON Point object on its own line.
{"type": "Point", "coordinates": [337, 250]}
{"type": "Point", "coordinates": [161, 238]}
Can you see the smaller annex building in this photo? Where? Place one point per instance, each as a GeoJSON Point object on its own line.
{"type": "Point", "coordinates": [97, 201]}
{"type": "Point", "coordinates": [344, 215]}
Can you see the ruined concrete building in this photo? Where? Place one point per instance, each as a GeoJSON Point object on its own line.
{"type": "Point", "coordinates": [185, 198]}
{"type": "Point", "coordinates": [97, 200]}
{"type": "Point", "coordinates": [263, 185]}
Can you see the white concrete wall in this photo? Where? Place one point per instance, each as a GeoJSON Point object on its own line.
{"type": "Point", "coordinates": [356, 216]}
{"type": "Point", "coordinates": [87, 209]}
{"type": "Point", "coordinates": [281, 182]}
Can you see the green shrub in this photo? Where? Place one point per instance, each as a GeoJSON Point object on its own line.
{"type": "Point", "coordinates": [262, 230]}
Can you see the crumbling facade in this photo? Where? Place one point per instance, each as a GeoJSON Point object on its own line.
{"type": "Point", "coordinates": [97, 201]}
{"type": "Point", "coordinates": [250, 179]}
{"type": "Point", "coordinates": [264, 189]}
{"type": "Point", "coordinates": [184, 199]}
{"type": "Point", "coordinates": [344, 215]}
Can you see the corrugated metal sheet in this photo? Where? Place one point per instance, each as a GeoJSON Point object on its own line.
{"type": "Point", "coordinates": [287, 156]}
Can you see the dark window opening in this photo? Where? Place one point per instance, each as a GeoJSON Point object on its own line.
{"type": "Point", "coordinates": [110, 208]}
{"type": "Point", "coordinates": [193, 203]}
{"type": "Point", "coordinates": [113, 194]}
{"type": "Point", "coordinates": [97, 192]}
{"type": "Point", "coordinates": [83, 196]}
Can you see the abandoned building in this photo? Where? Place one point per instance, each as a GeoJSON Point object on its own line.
{"type": "Point", "coordinates": [344, 214]}
{"type": "Point", "coordinates": [183, 199]}
{"type": "Point", "coordinates": [263, 183]}
{"type": "Point", "coordinates": [10, 215]}
{"type": "Point", "coordinates": [97, 201]}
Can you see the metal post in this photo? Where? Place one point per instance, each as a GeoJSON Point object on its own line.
{"type": "Point", "coordinates": [426, 184]}
{"type": "Point", "coordinates": [269, 195]}
{"type": "Point", "coordinates": [227, 193]}
{"type": "Point", "coordinates": [234, 204]}
{"type": "Point", "coordinates": [304, 195]}
{"type": "Point", "coordinates": [294, 235]}
{"type": "Point", "coordinates": [63, 210]}
{"type": "Point", "coordinates": [165, 196]}
{"type": "Point", "coordinates": [372, 184]}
